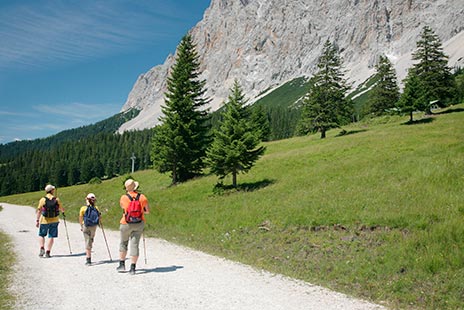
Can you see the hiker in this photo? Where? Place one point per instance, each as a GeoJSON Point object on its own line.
{"type": "Point", "coordinates": [89, 218]}
{"type": "Point", "coordinates": [131, 224]}
{"type": "Point", "coordinates": [48, 212]}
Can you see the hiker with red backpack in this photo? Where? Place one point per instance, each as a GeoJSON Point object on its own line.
{"type": "Point", "coordinates": [47, 221]}
{"type": "Point", "coordinates": [89, 218]}
{"type": "Point", "coordinates": [135, 206]}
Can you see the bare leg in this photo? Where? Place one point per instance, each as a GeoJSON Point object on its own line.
{"type": "Point", "coordinates": [42, 242]}
{"type": "Point", "coordinates": [50, 243]}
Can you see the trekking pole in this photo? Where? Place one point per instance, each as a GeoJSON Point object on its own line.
{"type": "Point", "coordinates": [65, 226]}
{"type": "Point", "coordinates": [67, 235]}
{"type": "Point", "coordinates": [144, 248]}
{"type": "Point", "coordinates": [104, 236]}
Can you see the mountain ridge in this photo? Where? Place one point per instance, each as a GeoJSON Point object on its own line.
{"type": "Point", "coordinates": [265, 44]}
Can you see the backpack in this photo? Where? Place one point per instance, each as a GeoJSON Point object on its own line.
{"type": "Point", "coordinates": [134, 210]}
{"type": "Point", "coordinates": [50, 208]}
{"type": "Point", "coordinates": [91, 216]}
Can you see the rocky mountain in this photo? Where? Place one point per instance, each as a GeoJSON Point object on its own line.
{"type": "Point", "coordinates": [264, 43]}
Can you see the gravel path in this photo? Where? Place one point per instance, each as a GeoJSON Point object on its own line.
{"type": "Point", "coordinates": [174, 277]}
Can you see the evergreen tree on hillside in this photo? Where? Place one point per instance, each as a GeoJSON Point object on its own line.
{"type": "Point", "coordinates": [326, 106]}
{"type": "Point", "coordinates": [235, 145]}
{"type": "Point", "coordinates": [459, 80]}
{"type": "Point", "coordinates": [385, 94]}
{"type": "Point", "coordinates": [432, 72]}
{"type": "Point", "coordinates": [261, 122]}
{"type": "Point", "coordinates": [413, 97]}
{"type": "Point", "coordinates": [180, 143]}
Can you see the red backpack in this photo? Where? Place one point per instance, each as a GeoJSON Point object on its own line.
{"type": "Point", "coordinates": [134, 211]}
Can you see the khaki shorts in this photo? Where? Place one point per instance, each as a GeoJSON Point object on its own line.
{"type": "Point", "coordinates": [132, 233]}
{"type": "Point", "coordinates": [89, 235]}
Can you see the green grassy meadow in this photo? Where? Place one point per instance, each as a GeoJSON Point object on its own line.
{"type": "Point", "coordinates": [6, 271]}
{"type": "Point", "coordinates": [377, 213]}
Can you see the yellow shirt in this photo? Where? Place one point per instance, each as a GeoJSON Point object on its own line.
{"type": "Point", "coordinates": [84, 208]}
{"type": "Point", "coordinates": [48, 220]}
{"type": "Point", "coordinates": [82, 212]}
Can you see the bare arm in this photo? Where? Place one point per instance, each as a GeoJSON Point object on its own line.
{"type": "Point", "coordinates": [146, 209]}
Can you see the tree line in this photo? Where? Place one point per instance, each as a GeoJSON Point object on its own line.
{"type": "Point", "coordinates": [103, 155]}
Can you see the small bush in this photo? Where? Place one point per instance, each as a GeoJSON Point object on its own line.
{"type": "Point", "coordinates": [95, 180]}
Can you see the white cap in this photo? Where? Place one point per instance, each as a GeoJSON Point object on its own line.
{"type": "Point", "coordinates": [91, 196]}
{"type": "Point", "coordinates": [49, 188]}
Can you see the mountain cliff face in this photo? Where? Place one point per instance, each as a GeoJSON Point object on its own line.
{"type": "Point", "coordinates": [264, 43]}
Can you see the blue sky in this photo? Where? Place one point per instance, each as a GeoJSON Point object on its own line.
{"type": "Point", "coordinates": [65, 64]}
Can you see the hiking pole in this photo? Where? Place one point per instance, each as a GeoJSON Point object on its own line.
{"type": "Point", "coordinates": [65, 226]}
{"type": "Point", "coordinates": [144, 248]}
{"type": "Point", "coordinates": [104, 236]}
{"type": "Point", "coordinates": [67, 235]}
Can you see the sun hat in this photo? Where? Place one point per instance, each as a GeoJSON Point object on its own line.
{"type": "Point", "coordinates": [91, 196]}
{"type": "Point", "coordinates": [49, 188]}
{"type": "Point", "coordinates": [130, 185]}
{"type": "Point", "coordinates": [136, 185]}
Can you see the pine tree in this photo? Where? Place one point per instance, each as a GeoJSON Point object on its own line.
{"type": "Point", "coordinates": [180, 143]}
{"type": "Point", "coordinates": [385, 94]}
{"type": "Point", "coordinates": [261, 122]}
{"type": "Point", "coordinates": [413, 97]}
{"type": "Point", "coordinates": [234, 148]}
{"type": "Point", "coordinates": [432, 70]}
{"type": "Point", "coordinates": [325, 106]}
{"type": "Point", "coordinates": [459, 79]}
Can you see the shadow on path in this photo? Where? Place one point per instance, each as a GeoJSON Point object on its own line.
{"type": "Point", "coordinates": [102, 262]}
{"type": "Point", "coordinates": [69, 255]}
{"type": "Point", "coordinates": [159, 269]}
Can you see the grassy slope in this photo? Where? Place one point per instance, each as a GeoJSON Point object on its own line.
{"type": "Point", "coordinates": [376, 213]}
{"type": "Point", "coordinates": [6, 264]}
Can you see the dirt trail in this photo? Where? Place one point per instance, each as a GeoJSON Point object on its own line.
{"type": "Point", "coordinates": [174, 277]}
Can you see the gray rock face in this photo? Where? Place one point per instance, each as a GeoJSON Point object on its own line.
{"type": "Point", "coordinates": [264, 43]}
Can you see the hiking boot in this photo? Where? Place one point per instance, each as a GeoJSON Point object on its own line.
{"type": "Point", "coordinates": [122, 266]}
{"type": "Point", "coordinates": [88, 261]}
{"type": "Point", "coordinates": [47, 254]}
{"type": "Point", "coordinates": [42, 252]}
{"type": "Point", "coordinates": [132, 269]}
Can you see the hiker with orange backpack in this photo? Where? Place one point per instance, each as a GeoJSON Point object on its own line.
{"type": "Point", "coordinates": [47, 221]}
{"type": "Point", "coordinates": [135, 206]}
{"type": "Point", "coordinates": [89, 218]}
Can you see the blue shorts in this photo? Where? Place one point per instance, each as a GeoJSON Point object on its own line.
{"type": "Point", "coordinates": [51, 229]}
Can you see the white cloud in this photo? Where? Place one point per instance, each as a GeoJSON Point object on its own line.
{"type": "Point", "coordinates": [8, 113]}
{"type": "Point", "coordinates": [79, 112]}
{"type": "Point", "coordinates": [47, 32]}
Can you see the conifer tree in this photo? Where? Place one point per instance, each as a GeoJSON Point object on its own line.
{"type": "Point", "coordinates": [413, 97]}
{"type": "Point", "coordinates": [385, 94]}
{"type": "Point", "coordinates": [180, 143]}
{"type": "Point", "coordinates": [235, 145]}
{"type": "Point", "coordinates": [326, 106]}
{"type": "Point", "coordinates": [261, 122]}
{"type": "Point", "coordinates": [459, 79]}
{"type": "Point", "coordinates": [432, 71]}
